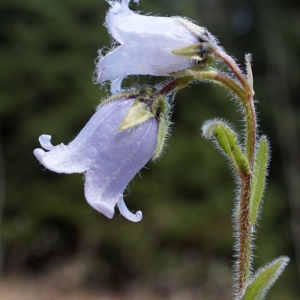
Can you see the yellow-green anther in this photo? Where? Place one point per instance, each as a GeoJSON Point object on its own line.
{"type": "Point", "coordinates": [258, 178]}
{"type": "Point", "coordinates": [137, 114]}
{"type": "Point", "coordinates": [227, 141]}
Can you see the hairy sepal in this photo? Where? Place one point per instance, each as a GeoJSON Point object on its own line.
{"type": "Point", "coordinates": [162, 111]}
{"type": "Point", "coordinates": [137, 114]}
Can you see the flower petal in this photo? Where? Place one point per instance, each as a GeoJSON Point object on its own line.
{"type": "Point", "coordinates": [131, 59]}
{"type": "Point", "coordinates": [127, 214]}
{"type": "Point", "coordinates": [127, 26]}
{"type": "Point", "coordinates": [45, 141]}
{"type": "Point", "coordinates": [116, 86]}
{"type": "Point", "coordinates": [79, 154]}
{"type": "Point", "coordinates": [107, 178]}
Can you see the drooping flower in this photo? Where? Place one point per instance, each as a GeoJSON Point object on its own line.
{"type": "Point", "coordinates": [152, 45]}
{"type": "Point", "coordinates": [120, 138]}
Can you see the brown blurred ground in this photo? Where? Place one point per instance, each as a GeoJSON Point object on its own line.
{"type": "Point", "coordinates": [66, 281]}
{"type": "Point", "coordinates": [16, 288]}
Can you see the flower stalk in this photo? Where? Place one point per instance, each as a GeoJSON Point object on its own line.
{"type": "Point", "coordinates": [242, 87]}
{"type": "Point", "coordinates": [247, 101]}
{"type": "Point", "coordinates": [244, 235]}
{"type": "Point", "coordinates": [244, 225]}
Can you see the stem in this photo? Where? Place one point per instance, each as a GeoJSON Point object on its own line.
{"type": "Point", "coordinates": [245, 94]}
{"type": "Point", "coordinates": [248, 105]}
{"type": "Point", "coordinates": [244, 226]}
{"type": "Point", "coordinates": [246, 102]}
{"type": "Point", "coordinates": [244, 235]}
{"type": "Point", "coordinates": [243, 89]}
{"type": "Point", "coordinates": [176, 84]}
{"type": "Point", "coordinates": [235, 68]}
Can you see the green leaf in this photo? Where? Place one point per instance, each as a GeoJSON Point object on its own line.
{"type": "Point", "coordinates": [227, 141]}
{"type": "Point", "coordinates": [258, 178]}
{"type": "Point", "coordinates": [264, 278]}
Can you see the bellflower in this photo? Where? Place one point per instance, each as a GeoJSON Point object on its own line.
{"type": "Point", "coordinates": [152, 45]}
{"type": "Point", "coordinates": [115, 144]}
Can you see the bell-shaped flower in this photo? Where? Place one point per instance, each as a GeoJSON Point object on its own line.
{"type": "Point", "coordinates": [151, 45]}
{"type": "Point", "coordinates": [120, 138]}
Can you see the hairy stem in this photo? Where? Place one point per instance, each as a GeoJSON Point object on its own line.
{"type": "Point", "coordinates": [242, 88]}
{"type": "Point", "coordinates": [248, 105]}
{"type": "Point", "coordinates": [244, 226]}
{"type": "Point", "coordinates": [244, 235]}
{"type": "Point", "coordinates": [176, 84]}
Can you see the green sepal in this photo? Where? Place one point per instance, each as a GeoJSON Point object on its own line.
{"type": "Point", "coordinates": [249, 71]}
{"type": "Point", "coordinates": [160, 108]}
{"type": "Point", "coordinates": [204, 50]}
{"type": "Point", "coordinates": [163, 129]}
{"type": "Point", "coordinates": [138, 113]}
{"type": "Point", "coordinates": [264, 278]}
{"type": "Point", "coordinates": [197, 52]}
{"type": "Point", "coordinates": [227, 141]}
{"type": "Point", "coordinates": [148, 104]}
{"type": "Point", "coordinates": [258, 178]}
{"type": "Point", "coordinates": [192, 51]}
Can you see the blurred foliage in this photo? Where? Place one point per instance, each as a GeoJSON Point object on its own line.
{"type": "Point", "coordinates": [47, 53]}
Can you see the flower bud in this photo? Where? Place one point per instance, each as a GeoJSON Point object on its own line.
{"type": "Point", "coordinates": [227, 142]}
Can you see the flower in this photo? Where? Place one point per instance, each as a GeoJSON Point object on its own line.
{"type": "Point", "coordinates": [151, 45]}
{"type": "Point", "coordinates": [109, 156]}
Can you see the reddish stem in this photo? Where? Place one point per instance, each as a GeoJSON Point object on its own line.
{"type": "Point", "coordinates": [244, 226]}
{"type": "Point", "coordinates": [251, 123]}
{"type": "Point", "coordinates": [176, 84]}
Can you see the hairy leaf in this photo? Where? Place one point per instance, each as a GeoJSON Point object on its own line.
{"type": "Point", "coordinates": [258, 178]}
{"type": "Point", "coordinates": [264, 278]}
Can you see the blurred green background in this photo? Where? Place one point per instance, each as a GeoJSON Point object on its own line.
{"type": "Point", "coordinates": [184, 242]}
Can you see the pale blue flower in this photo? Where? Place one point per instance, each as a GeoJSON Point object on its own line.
{"type": "Point", "coordinates": [146, 42]}
{"type": "Point", "coordinates": [109, 157]}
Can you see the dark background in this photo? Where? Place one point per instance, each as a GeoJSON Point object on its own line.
{"type": "Point", "coordinates": [184, 242]}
